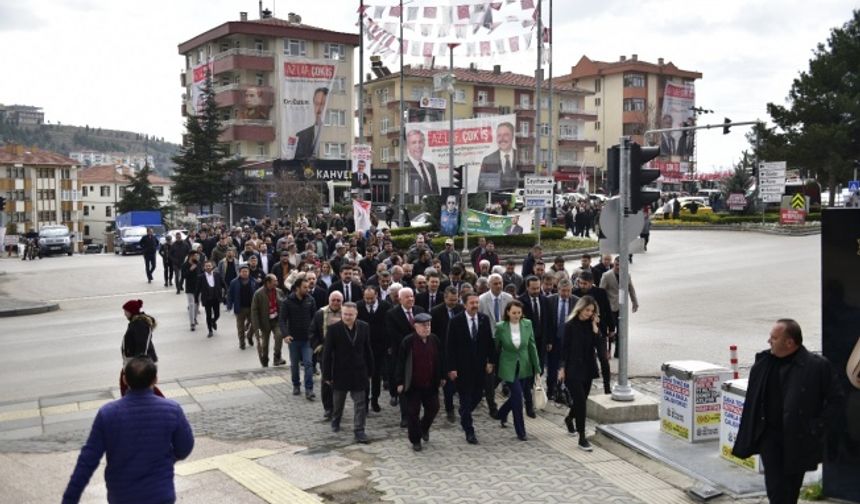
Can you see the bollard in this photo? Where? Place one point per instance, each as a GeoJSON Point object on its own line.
{"type": "Point", "coordinates": [733, 354]}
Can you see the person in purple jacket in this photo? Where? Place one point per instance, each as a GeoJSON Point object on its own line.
{"type": "Point", "coordinates": [143, 435]}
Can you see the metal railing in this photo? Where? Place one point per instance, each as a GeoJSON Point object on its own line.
{"type": "Point", "coordinates": [241, 51]}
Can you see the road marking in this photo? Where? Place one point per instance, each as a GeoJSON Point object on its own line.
{"type": "Point", "coordinates": [260, 480]}
{"type": "Point", "coordinates": [8, 416]}
{"type": "Point", "coordinates": [235, 385]}
{"type": "Point", "coordinates": [268, 380]}
{"type": "Point", "coordinates": [175, 392]}
{"type": "Point", "coordinates": [61, 409]}
{"type": "Point", "coordinates": [203, 389]}
{"type": "Point", "coordinates": [108, 296]}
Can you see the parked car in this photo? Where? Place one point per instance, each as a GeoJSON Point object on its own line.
{"type": "Point", "coordinates": [689, 205]}
{"type": "Point", "coordinates": [172, 233]}
{"type": "Point", "coordinates": [127, 240]}
{"type": "Point", "coordinates": [55, 240]}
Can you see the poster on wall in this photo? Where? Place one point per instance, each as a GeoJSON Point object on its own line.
{"type": "Point", "coordinates": [496, 225]}
{"type": "Point", "coordinates": [361, 157]}
{"type": "Point", "coordinates": [306, 84]}
{"type": "Point", "coordinates": [678, 102]}
{"type": "Point", "coordinates": [486, 146]}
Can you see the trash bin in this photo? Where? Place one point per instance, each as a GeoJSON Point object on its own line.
{"type": "Point", "coordinates": [733, 396]}
{"type": "Point", "coordinates": [690, 399]}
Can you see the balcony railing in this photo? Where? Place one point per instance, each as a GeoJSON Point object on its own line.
{"type": "Point", "coordinates": [572, 138]}
{"type": "Point", "coordinates": [226, 87]}
{"type": "Point", "coordinates": [483, 104]}
{"type": "Point", "coordinates": [524, 106]}
{"type": "Point", "coordinates": [241, 51]}
{"type": "Point", "coordinates": [246, 122]}
{"type": "Point", "coordinates": [576, 110]}
{"type": "Point", "coordinates": [523, 134]}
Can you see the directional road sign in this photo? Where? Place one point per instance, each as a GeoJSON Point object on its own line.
{"type": "Point", "coordinates": [854, 185]}
{"type": "Point", "coordinates": [798, 202]}
{"type": "Point", "coordinates": [609, 227]}
{"type": "Point", "coordinates": [537, 192]}
{"type": "Point", "coordinates": [772, 181]}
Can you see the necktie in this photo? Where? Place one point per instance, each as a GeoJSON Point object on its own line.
{"type": "Point", "coordinates": [562, 312]}
{"type": "Point", "coordinates": [536, 310]}
{"type": "Point", "coordinates": [432, 300]}
{"type": "Point", "coordinates": [346, 296]}
{"type": "Point", "coordinates": [372, 308]}
{"type": "Point", "coordinates": [474, 329]}
{"type": "Point", "coordinates": [507, 163]}
{"type": "Point", "coordinates": [450, 314]}
{"type": "Point", "coordinates": [410, 317]}
{"type": "Point", "coordinates": [426, 175]}
{"type": "Point", "coordinates": [496, 312]}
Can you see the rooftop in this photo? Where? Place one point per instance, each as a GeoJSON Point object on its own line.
{"type": "Point", "coordinates": [114, 174]}
{"type": "Point", "coordinates": [12, 154]}
{"type": "Point", "coordinates": [587, 67]}
{"type": "Point", "coordinates": [494, 77]}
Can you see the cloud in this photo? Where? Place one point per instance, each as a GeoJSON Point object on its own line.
{"type": "Point", "coordinates": [17, 17]}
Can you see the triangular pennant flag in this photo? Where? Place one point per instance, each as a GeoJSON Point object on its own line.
{"type": "Point", "coordinates": [486, 49]}
{"type": "Point", "coordinates": [500, 46]}
{"type": "Point", "coordinates": [404, 46]}
{"type": "Point", "coordinates": [362, 8]}
{"type": "Point", "coordinates": [461, 31]}
{"type": "Point", "coordinates": [426, 30]}
{"type": "Point", "coordinates": [496, 5]}
{"type": "Point", "coordinates": [527, 4]}
{"type": "Point", "coordinates": [412, 13]}
{"type": "Point", "coordinates": [514, 42]}
{"type": "Point", "coordinates": [430, 12]}
{"type": "Point", "coordinates": [395, 11]}
{"type": "Point", "coordinates": [377, 12]}
{"type": "Point", "coordinates": [470, 49]}
{"type": "Point", "coordinates": [546, 35]}
{"type": "Point", "coordinates": [428, 49]}
{"type": "Point", "coordinates": [462, 12]}
{"type": "Point", "coordinates": [528, 39]}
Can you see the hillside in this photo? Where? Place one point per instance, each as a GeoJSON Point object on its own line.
{"type": "Point", "coordinates": [64, 139]}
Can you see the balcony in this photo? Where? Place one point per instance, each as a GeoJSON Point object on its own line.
{"type": "Point", "coordinates": [484, 106]}
{"type": "Point", "coordinates": [252, 130]}
{"type": "Point", "coordinates": [235, 95]}
{"type": "Point", "coordinates": [524, 109]}
{"type": "Point", "coordinates": [394, 103]}
{"type": "Point", "coordinates": [390, 132]}
{"type": "Point", "coordinates": [182, 79]}
{"type": "Point", "coordinates": [525, 138]}
{"type": "Point", "coordinates": [577, 113]}
{"type": "Point", "coordinates": [575, 141]}
{"type": "Point", "coordinates": [243, 59]}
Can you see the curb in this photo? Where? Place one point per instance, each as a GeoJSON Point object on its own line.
{"type": "Point", "coordinates": [33, 309]}
{"type": "Point", "coordinates": [729, 227]}
{"type": "Point", "coordinates": [568, 255]}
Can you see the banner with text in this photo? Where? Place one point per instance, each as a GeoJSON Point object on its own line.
{"type": "Point", "coordinates": [306, 84]}
{"type": "Point", "coordinates": [362, 157]}
{"type": "Point", "coordinates": [484, 145]}
{"type": "Point", "coordinates": [198, 82]}
{"type": "Point", "coordinates": [678, 101]}
{"type": "Point", "coordinates": [496, 225]}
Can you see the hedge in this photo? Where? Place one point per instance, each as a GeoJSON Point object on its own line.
{"type": "Point", "coordinates": [524, 240]}
{"type": "Point", "coordinates": [409, 231]}
{"type": "Point", "coordinates": [736, 219]}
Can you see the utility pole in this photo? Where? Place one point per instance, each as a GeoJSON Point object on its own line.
{"type": "Point", "coordinates": [538, 86]}
{"type": "Point", "coordinates": [402, 135]}
{"type": "Point", "coordinates": [361, 71]}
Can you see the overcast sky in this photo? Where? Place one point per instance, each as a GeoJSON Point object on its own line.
{"type": "Point", "coordinates": [114, 64]}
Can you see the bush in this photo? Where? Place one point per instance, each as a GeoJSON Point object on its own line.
{"type": "Point", "coordinates": [409, 231]}
{"type": "Point", "coordinates": [403, 240]}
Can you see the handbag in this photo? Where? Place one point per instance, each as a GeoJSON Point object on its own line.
{"type": "Point", "coordinates": [539, 398]}
{"type": "Point", "coordinates": [852, 367]}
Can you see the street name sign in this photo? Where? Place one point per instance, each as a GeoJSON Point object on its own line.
{"type": "Point", "coordinates": [772, 181]}
{"type": "Point", "coordinates": [537, 192]}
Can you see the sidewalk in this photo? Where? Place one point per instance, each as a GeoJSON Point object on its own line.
{"type": "Point", "coordinates": [256, 442]}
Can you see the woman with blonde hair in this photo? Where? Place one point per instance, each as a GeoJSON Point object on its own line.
{"type": "Point", "coordinates": [578, 362]}
{"type": "Point", "coordinates": [518, 362]}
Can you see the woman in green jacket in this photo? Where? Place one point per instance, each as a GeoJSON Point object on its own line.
{"type": "Point", "coordinates": [518, 361]}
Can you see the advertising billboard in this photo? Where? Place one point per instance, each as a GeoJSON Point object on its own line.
{"type": "Point", "coordinates": [306, 84]}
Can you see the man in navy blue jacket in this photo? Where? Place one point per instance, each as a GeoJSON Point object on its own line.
{"type": "Point", "coordinates": [143, 436]}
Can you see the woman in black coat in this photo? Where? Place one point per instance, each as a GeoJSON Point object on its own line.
{"type": "Point", "coordinates": [209, 295]}
{"type": "Point", "coordinates": [578, 363]}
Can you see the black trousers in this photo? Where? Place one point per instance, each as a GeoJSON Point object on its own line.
{"type": "Point", "coordinates": [490, 384]}
{"type": "Point", "coordinates": [168, 271]}
{"type": "Point", "coordinates": [378, 370]}
{"type": "Point", "coordinates": [448, 392]}
{"type": "Point", "coordinates": [416, 398]}
{"type": "Point", "coordinates": [782, 488]}
{"type": "Point", "coordinates": [578, 398]}
{"type": "Point", "coordinates": [213, 313]}
{"type": "Point", "coordinates": [149, 263]}
{"type": "Point", "coordinates": [470, 397]}
{"type": "Point", "coordinates": [605, 371]}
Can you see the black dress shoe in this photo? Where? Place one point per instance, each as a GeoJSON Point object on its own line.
{"type": "Point", "coordinates": [416, 446]}
{"type": "Point", "coordinates": [280, 362]}
{"type": "Point", "coordinates": [374, 405]}
{"type": "Point", "coordinates": [530, 412]}
{"type": "Point", "coordinates": [471, 439]}
{"type": "Point", "coordinates": [327, 415]}
{"type": "Point", "coordinates": [242, 345]}
{"type": "Point", "coordinates": [494, 414]}
{"type": "Point", "coordinates": [404, 424]}
{"type": "Point", "coordinates": [569, 423]}
{"type": "Point", "coordinates": [361, 438]}
{"type": "Point", "coordinates": [335, 428]}
{"type": "Point", "coordinates": [393, 401]}
{"type": "Point", "coordinates": [426, 436]}
{"type": "Point", "coordinates": [452, 417]}
{"type": "Point", "coordinates": [503, 423]}
{"type": "Point", "coordinates": [523, 438]}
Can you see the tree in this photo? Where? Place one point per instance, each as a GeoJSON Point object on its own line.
{"type": "Point", "coordinates": [741, 178]}
{"type": "Point", "coordinates": [821, 123]}
{"type": "Point", "coordinates": [203, 165]}
{"type": "Point", "coordinates": [139, 194]}
{"type": "Point", "coordinates": [291, 195]}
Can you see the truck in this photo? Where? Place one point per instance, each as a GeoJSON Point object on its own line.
{"type": "Point", "coordinates": [136, 218]}
{"type": "Point", "coordinates": [131, 227]}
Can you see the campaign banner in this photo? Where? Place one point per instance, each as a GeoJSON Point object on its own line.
{"type": "Point", "coordinates": [670, 172]}
{"type": "Point", "coordinates": [362, 157]}
{"type": "Point", "coordinates": [306, 84]}
{"type": "Point", "coordinates": [485, 146]}
{"type": "Point", "coordinates": [198, 83]}
{"type": "Point", "coordinates": [449, 215]}
{"type": "Point", "coordinates": [361, 214]}
{"type": "Point", "coordinates": [678, 100]}
{"type": "Point", "coordinates": [496, 225]}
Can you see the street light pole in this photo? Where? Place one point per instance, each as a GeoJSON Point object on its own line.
{"type": "Point", "coordinates": [622, 390]}
{"type": "Point", "coordinates": [402, 135]}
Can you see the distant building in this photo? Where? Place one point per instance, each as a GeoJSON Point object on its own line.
{"type": "Point", "coordinates": [94, 158]}
{"type": "Point", "coordinates": [248, 60]}
{"type": "Point", "coordinates": [627, 98]}
{"type": "Point", "coordinates": [22, 115]}
{"type": "Point", "coordinates": [102, 187]}
{"type": "Point", "coordinates": [40, 187]}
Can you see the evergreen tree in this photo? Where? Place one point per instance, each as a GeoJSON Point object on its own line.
{"type": "Point", "coordinates": [139, 194]}
{"type": "Point", "coordinates": [203, 173]}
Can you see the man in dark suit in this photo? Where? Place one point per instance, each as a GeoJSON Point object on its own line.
{"type": "Point", "coordinates": [536, 309]}
{"type": "Point", "coordinates": [586, 287]}
{"type": "Point", "coordinates": [372, 311]}
{"type": "Point", "coordinates": [442, 315]}
{"type": "Point", "coordinates": [347, 364]}
{"type": "Point", "coordinates": [350, 289]}
{"type": "Point", "coordinates": [514, 228]}
{"type": "Point", "coordinates": [307, 139]}
{"type": "Point", "coordinates": [266, 260]}
{"type": "Point", "coordinates": [433, 295]}
{"type": "Point", "coordinates": [469, 359]}
{"type": "Point", "coordinates": [560, 306]}
{"type": "Point", "coordinates": [422, 174]}
{"type": "Point", "coordinates": [360, 180]}
{"type": "Point", "coordinates": [319, 294]}
{"type": "Point", "coordinates": [399, 323]}
{"type": "Point", "coordinates": [499, 169]}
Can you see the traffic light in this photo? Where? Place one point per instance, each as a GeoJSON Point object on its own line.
{"type": "Point", "coordinates": [726, 123]}
{"type": "Point", "coordinates": [640, 177]}
{"type": "Point", "coordinates": [613, 165]}
{"type": "Point", "coordinates": [2, 203]}
{"type": "Point", "coordinates": [457, 177]}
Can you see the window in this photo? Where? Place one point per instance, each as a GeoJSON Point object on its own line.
{"type": "Point", "coordinates": [67, 215]}
{"type": "Point", "coordinates": [634, 104]}
{"type": "Point", "coordinates": [13, 172]}
{"type": "Point", "coordinates": [293, 47]}
{"type": "Point", "coordinates": [237, 149]}
{"type": "Point", "coordinates": [66, 174]}
{"type": "Point", "coordinates": [86, 211]}
{"type": "Point", "coordinates": [259, 45]}
{"type": "Point", "coordinates": [525, 101]}
{"type": "Point", "coordinates": [385, 125]}
{"type": "Point", "coordinates": [597, 85]}
{"type": "Point", "coordinates": [420, 92]}
{"type": "Point", "coordinates": [334, 51]}
{"type": "Point", "coordinates": [107, 211]}
{"type": "Point", "coordinates": [335, 150]}
{"type": "Point", "coordinates": [483, 97]}
{"type": "Point", "coordinates": [260, 78]}
{"type": "Point", "coordinates": [459, 95]}
{"type": "Point", "coordinates": [335, 118]}
{"type": "Point", "coordinates": [47, 173]}
{"type": "Point", "coordinates": [596, 125]}
{"type": "Point", "coordinates": [339, 85]}
{"type": "Point", "coordinates": [105, 191]}
{"type": "Point", "coordinates": [383, 95]}
{"type": "Point", "coordinates": [386, 154]}
{"type": "Point", "coordinates": [504, 110]}
{"type": "Point", "coordinates": [262, 150]}
{"type": "Point", "coordinates": [46, 216]}
{"type": "Point", "coordinates": [224, 46]}
{"type": "Point", "coordinates": [85, 191]}
{"type": "Point", "coordinates": [597, 102]}
{"type": "Point", "coordinates": [544, 102]}
{"type": "Point", "coordinates": [199, 55]}
{"type": "Point", "coordinates": [86, 230]}
{"type": "Point", "coordinates": [634, 80]}
{"type": "Point", "coordinates": [568, 130]}
{"type": "Point", "coordinates": [633, 129]}
{"type": "Point", "coordinates": [15, 195]}
{"type": "Point", "coordinates": [544, 129]}
{"type": "Point", "coordinates": [524, 129]}
{"type": "Point", "coordinates": [122, 191]}
{"type": "Point", "coordinates": [20, 217]}
{"type": "Point", "coordinates": [159, 190]}
{"type": "Point", "coordinates": [482, 115]}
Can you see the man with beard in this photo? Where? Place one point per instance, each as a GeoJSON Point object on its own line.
{"type": "Point", "coordinates": [294, 320]}
{"type": "Point", "coordinates": [399, 322]}
{"type": "Point", "coordinates": [323, 319]}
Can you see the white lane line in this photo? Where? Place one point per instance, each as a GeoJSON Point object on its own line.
{"type": "Point", "coordinates": [108, 296]}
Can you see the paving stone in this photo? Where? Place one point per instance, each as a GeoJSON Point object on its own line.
{"type": "Point", "coordinates": [18, 406]}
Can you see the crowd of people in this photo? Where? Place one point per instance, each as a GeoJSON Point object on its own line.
{"type": "Point", "coordinates": [408, 323]}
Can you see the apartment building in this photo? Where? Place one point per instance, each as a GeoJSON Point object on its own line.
{"type": "Point", "coordinates": [22, 115]}
{"type": "Point", "coordinates": [627, 97]}
{"type": "Point", "coordinates": [95, 158]}
{"type": "Point", "coordinates": [40, 187]}
{"type": "Point", "coordinates": [247, 61]}
{"type": "Point", "coordinates": [480, 93]}
{"type": "Point", "coordinates": [101, 187]}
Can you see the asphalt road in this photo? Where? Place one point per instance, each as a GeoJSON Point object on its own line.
{"type": "Point", "coordinates": [699, 292]}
